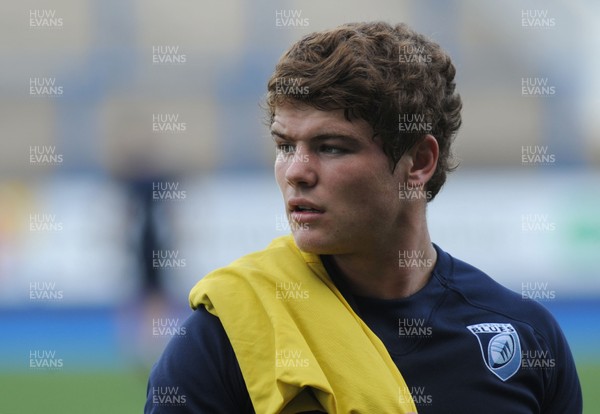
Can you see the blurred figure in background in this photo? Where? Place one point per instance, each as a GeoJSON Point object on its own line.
{"type": "Point", "coordinates": [136, 159]}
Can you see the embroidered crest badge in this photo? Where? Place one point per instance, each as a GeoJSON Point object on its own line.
{"type": "Point", "coordinates": [500, 348]}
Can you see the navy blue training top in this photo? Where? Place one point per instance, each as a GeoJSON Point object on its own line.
{"type": "Point", "coordinates": [463, 343]}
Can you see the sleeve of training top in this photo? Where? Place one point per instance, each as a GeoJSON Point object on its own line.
{"type": "Point", "coordinates": [198, 372]}
{"type": "Point", "coordinates": [564, 391]}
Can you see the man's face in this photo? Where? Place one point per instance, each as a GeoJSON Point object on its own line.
{"type": "Point", "coordinates": [340, 194]}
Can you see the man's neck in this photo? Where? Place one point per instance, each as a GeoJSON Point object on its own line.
{"type": "Point", "coordinates": [392, 270]}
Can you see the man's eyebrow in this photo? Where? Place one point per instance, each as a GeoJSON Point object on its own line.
{"type": "Point", "coordinates": [320, 137]}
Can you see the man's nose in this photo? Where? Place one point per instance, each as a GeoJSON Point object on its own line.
{"type": "Point", "coordinates": [301, 168]}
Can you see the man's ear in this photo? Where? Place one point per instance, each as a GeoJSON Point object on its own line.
{"type": "Point", "coordinates": [423, 156]}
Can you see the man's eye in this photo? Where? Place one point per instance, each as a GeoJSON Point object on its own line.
{"type": "Point", "coordinates": [332, 150]}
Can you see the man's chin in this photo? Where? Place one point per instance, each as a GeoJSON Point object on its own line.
{"type": "Point", "coordinates": [312, 242]}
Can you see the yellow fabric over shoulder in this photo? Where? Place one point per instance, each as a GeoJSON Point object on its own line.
{"type": "Point", "coordinates": [299, 344]}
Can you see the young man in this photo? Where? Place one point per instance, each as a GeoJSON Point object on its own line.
{"type": "Point", "coordinates": [357, 311]}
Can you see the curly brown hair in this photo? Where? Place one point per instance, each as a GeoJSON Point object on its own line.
{"type": "Point", "coordinates": [382, 74]}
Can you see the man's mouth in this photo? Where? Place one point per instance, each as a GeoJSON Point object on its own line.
{"type": "Point", "coordinates": [303, 206]}
{"type": "Point", "coordinates": [303, 211]}
{"type": "Point", "coordinates": [306, 209]}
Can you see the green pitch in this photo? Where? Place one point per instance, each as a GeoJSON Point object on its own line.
{"type": "Point", "coordinates": [589, 375]}
{"type": "Point", "coordinates": [125, 392]}
{"type": "Point", "coordinates": [70, 393]}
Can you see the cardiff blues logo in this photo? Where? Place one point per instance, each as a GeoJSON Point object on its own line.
{"type": "Point", "coordinates": [500, 347]}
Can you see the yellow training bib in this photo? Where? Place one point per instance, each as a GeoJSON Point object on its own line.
{"type": "Point", "coordinates": [299, 344]}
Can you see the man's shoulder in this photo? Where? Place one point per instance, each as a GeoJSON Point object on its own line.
{"type": "Point", "coordinates": [199, 370]}
{"type": "Point", "coordinates": [481, 291]}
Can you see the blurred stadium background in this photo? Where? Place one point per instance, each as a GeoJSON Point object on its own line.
{"type": "Point", "coordinates": [102, 100]}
